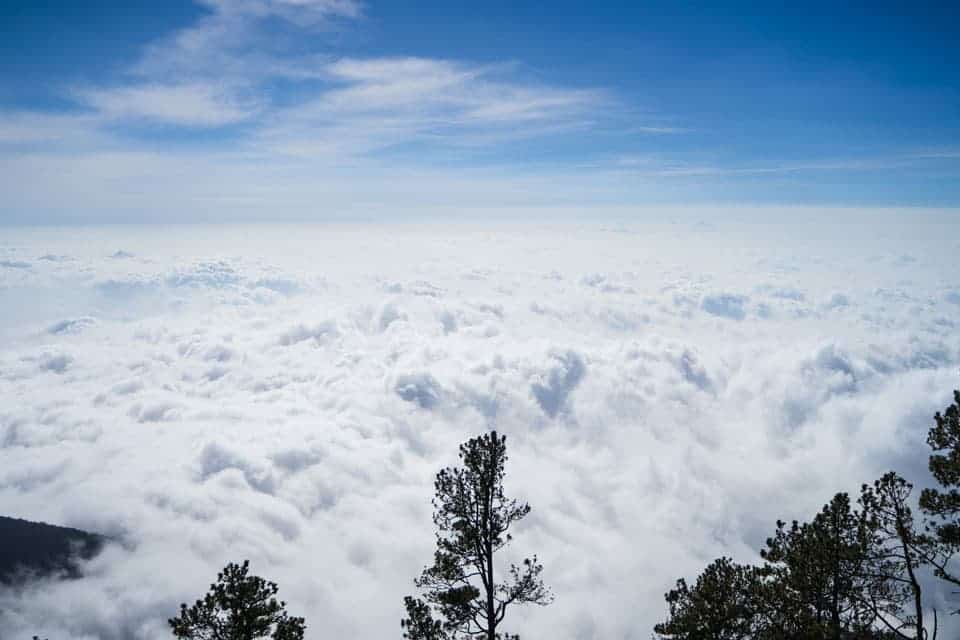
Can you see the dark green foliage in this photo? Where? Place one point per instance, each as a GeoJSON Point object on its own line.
{"type": "Point", "coordinates": [473, 517]}
{"type": "Point", "coordinates": [818, 569]}
{"type": "Point", "coordinates": [828, 579]}
{"type": "Point", "coordinates": [420, 623]}
{"type": "Point", "coordinates": [37, 549]}
{"type": "Point", "coordinates": [237, 607]}
{"type": "Point", "coordinates": [722, 605]}
{"type": "Point", "coordinates": [897, 555]}
{"type": "Point", "coordinates": [942, 506]}
{"type": "Point", "coordinates": [847, 575]}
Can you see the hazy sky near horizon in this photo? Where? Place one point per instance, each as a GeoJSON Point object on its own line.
{"type": "Point", "coordinates": [334, 109]}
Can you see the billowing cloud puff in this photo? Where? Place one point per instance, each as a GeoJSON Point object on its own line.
{"type": "Point", "coordinates": [552, 389]}
{"type": "Point", "coordinates": [727, 305]}
{"type": "Point", "coordinates": [287, 395]}
{"type": "Point", "coordinates": [71, 325]}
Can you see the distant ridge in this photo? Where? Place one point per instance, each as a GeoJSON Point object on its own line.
{"type": "Point", "coordinates": [34, 549]}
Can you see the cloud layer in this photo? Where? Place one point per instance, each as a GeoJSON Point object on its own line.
{"type": "Point", "coordinates": [286, 393]}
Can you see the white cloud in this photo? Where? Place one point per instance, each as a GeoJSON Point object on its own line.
{"type": "Point", "coordinates": [470, 93]}
{"type": "Point", "coordinates": [300, 10]}
{"type": "Point", "coordinates": [321, 135]}
{"type": "Point", "coordinates": [205, 417]}
{"type": "Point", "coordinates": [332, 130]}
{"type": "Point", "coordinates": [233, 44]}
{"type": "Point", "coordinates": [219, 71]}
{"type": "Point", "coordinates": [186, 105]}
{"type": "Point", "coordinates": [728, 305]}
{"type": "Point", "coordinates": [378, 103]}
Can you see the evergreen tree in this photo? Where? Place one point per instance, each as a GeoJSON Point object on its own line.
{"type": "Point", "coordinates": [473, 517]}
{"type": "Point", "coordinates": [237, 607]}
{"type": "Point", "coordinates": [847, 575]}
{"type": "Point", "coordinates": [816, 570]}
{"type": "Point", "coordinates": [722, 605]}
{"type": "Point", "coordinates": [897, 555]}
{"type": "Point", "coordinates": [942, 506]}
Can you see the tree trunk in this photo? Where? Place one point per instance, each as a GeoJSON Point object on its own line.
{"type": "Point", "coordinates": [906, 541]}
{"type": "Point", "coordinates": [491, 611]}
{"type": "Point", "coordinates": [837, 576]}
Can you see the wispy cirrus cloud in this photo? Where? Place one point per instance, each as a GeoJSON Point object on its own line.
{"type": "Point", "coordinates": [222, 70]}
{"type": "Point", "coordinates": [658, 165]}
{"type": "Point", "coordinates": [296, 125]}
{"type": "Point", "coordinates": [212, 73]}
{"type": "Point", "coordinates": [377, 103]}
{"type": "Point", "coordinates": [190, 105]}
{"type": "Point", "coordinates": [938, 154]}
{"type": "Point", "coordinates": [237, 41]}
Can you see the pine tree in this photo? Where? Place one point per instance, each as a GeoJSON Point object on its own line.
{"type": "Point", "coordinates": [722, 605]}
{"type": "Point", "coordinates": [846, 575]}
{"type": "Point", "coordinates": [817, 568]}
{"type": "Point", "coordinates": [897, 555]}
{"type": "Point", "coordinates": [942, 506]}
{"type": "Point", "coordinates": [237, 607]}
{"type": "Point", "coordinates": [473, 517]}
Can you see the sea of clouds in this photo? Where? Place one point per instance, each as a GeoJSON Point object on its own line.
{"type": "Point", "coordinates": [287, 393]}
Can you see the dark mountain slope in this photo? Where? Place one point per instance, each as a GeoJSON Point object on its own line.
{"type": "Point", "coordinates": [37, 549]}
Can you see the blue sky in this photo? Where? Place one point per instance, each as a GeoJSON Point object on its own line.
{"type": "Point", "coordinates": [327, 108]}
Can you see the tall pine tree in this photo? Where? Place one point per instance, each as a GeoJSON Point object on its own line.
{"type": "Point", "coordinates": [462, 596]}
{"type": "Point", "coordinates": [817, 568]}
{"type": "Point", "coordinates": [898, 553]}
{"type": "Point", "coordinates": [942, 506]}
